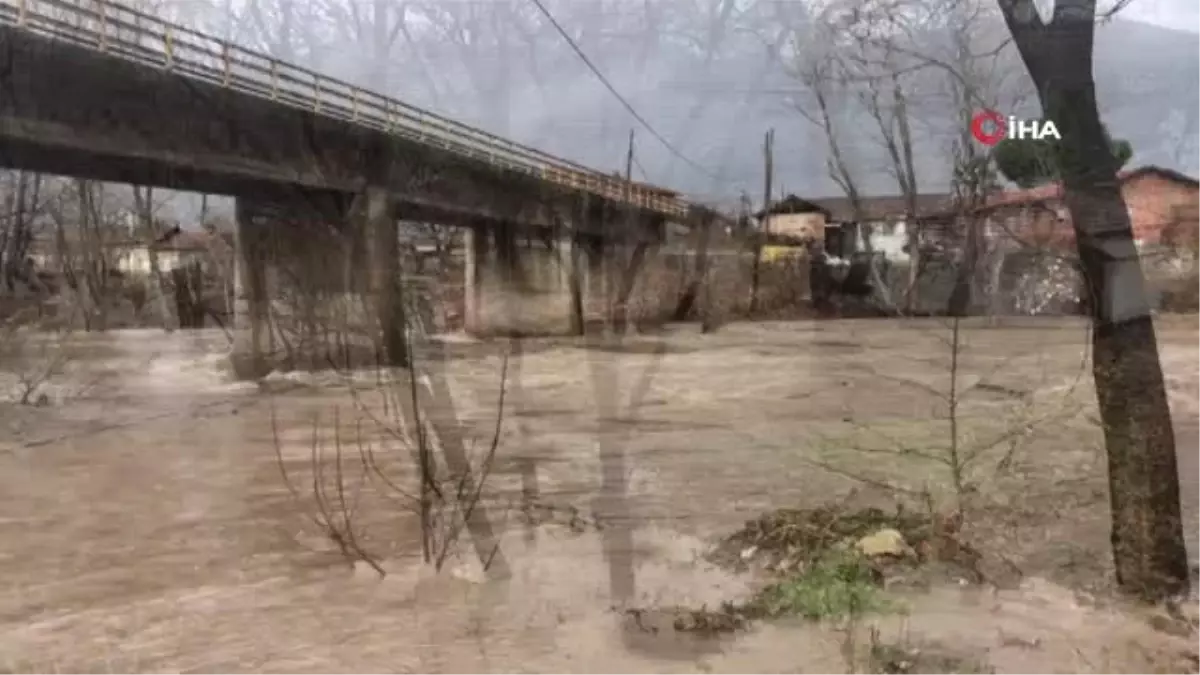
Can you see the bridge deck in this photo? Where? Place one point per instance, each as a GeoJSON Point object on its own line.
{"type": "Point", "coordinates": [156, 103]}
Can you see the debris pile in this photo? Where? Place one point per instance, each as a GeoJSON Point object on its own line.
{"type": "Point", "coordinates": [827, 562]}
{"type": "Point", "coordinates": [787, 541]}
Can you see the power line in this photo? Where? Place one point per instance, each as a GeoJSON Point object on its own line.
{"type": "Point", "coordinates": [613, 90]}
{"type": "Point", "coordinates": [640, 168]}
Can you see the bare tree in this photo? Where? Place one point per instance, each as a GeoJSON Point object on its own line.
{"type": "Point", "coordinates": [817, 64]}
{"type": "Point", "coordinates": [30, 359]}
{"type": "Point", "coordinates": [151, 231]}
{"type": "Point", "coordinates": [817, 67]}
{"type": "Point", "coordinates": [479, 37]}
{"type": "Point", "coordinates": [275, 26]}
{"type": "Point", "coordinates": [1147, 534]}
{"type": "Point", "coordinates": [872, 63]}
{"type": "Point", "coordinates": [705, 28]}
{"type": "Point", "coordinates": [84, 234]}
{"type": "Point", "coordinates": [974, 78]}
{"type": "Point", "coordinates": [376, 28]}
{"type": "Point", "coordinates": [22, 203]}
{"type": "Point", "coordinates": [902, 65]}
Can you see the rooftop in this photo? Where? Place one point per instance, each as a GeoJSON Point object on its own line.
{"type": "Point", "coordinates": [1053, 191]}
{"type": "Point", "coordinates": [793, 204]}
{"type": "Point", "coordinates": [883, 207]}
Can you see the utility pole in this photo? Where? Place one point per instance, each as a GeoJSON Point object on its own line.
{"type": "Point", "coordinates": [629, 161]}
{"type": "Point", "coordinates": [620, 315]}
{"type": "Point", "coordinates": [769, 170]}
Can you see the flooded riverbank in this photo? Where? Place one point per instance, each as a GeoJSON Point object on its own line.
{"type": "Point", "coordinates": [149, 528]}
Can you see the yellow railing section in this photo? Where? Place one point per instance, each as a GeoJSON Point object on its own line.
{"type": "Point", "coordinates": [112, 28]}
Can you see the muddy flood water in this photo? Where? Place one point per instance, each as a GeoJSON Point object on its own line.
{"type": "Point", "coordinates": [147, 525]}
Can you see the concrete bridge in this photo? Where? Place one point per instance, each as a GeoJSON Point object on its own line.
{"type": "Point", "coordinates": [321, 170]}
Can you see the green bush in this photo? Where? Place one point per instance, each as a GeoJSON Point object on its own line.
{"type": "Point", "coordinates": [838, 585]}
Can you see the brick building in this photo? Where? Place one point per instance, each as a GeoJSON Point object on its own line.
{"type": "Point", "coordinates": [1164, 208]}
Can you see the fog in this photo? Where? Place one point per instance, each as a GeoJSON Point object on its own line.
{"type": "Point", "coordinates": [710, 76]}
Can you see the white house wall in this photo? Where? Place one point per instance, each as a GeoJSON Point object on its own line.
{"type": "Point", "coordinates": [137, 261]}
{"type": "Point", "coordinates": [888, 240]}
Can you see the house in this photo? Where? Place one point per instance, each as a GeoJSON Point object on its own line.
{"type": "Point", "coordinates": [886, 218]}
{"type": "Point", "coordinates": [1163, 204]}
{"type": "Point", "coordinates": [884, 209]}
{"type": "Point", "coordinates": [174, 249]}
{"type": "Point", "coordinates": [130, 255]}
{"type": "Point", "coordinates": [840, 224]}
{"type": "Point", "coordinates": [795, 218]}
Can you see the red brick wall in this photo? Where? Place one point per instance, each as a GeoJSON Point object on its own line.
{"type": "Point", "coordinates": [1155, 204]}
{"type": "Point", "coordinates": [1034, 225]}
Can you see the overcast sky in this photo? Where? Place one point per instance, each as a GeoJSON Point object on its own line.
{"type": "Point", "coordinates": [1181, 14]}
{"type": "Point", "coordinates": [720, 117]}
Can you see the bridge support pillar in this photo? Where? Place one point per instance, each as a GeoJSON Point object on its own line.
{"type": "Point", "coordinates": [576, 278]}
{"type": "Point", "coordinates": [503, 289]}
{"type": "Point", "coordinates": [251, 303]}
{"type": "Point", "coordinates": [615, 266]}
{"type": "Point", "coordinates": [371, 215]}
{"type": "Point", "coordinates": [597, 272]}
{"type": "Point", "coordinates": [476, 250]}
{"type": "Point", "coordinates": [519, 282]}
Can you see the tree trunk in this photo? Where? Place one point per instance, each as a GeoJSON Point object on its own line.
{"type": "Point", "coordinates": [906, 167]}
{"type": "Point", "coordinates": [575, 286]}
{"type": "Point", "coordinates": [144, 201]}
{"type": "Point", "coordinates": [1147, 532]}
{"type": "Point", "coordinates": [995, 299]}
{"type": "Point", "coordinates": [93, 271]}
{"type": "Point", "coordinates": [620, 308]}
{"type": "Point", "coordinates": [965, 271]}
{"type": "Point", "coordinates": [764, 229]}
{"type": "Point", "coordinates": [16, 230]}
{"type": "Point", "coordinates": [698, 273]}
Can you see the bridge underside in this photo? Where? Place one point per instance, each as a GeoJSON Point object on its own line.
{"type": "Point", "coordinates": [325, 283]}
{"type": "Point", "coordinates": [322, 285]}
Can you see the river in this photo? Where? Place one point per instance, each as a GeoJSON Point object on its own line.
{"type": "Point", "coordinates": [148, 527]}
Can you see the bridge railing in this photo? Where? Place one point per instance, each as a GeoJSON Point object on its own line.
{"type": "Point", "coordinates": [113, 28]}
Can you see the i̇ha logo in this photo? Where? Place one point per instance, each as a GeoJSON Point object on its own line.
{"type": "Point", "coordinates": [990, 127]}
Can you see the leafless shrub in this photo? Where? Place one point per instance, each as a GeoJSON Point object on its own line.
{"type": "Point", "coordinates": [963, 453]}
{"type": "Point", "coordinates": [409, 415]}
{"type": "Point", "coordinates": [449, 492]}
{"type": "Point", "coordinates": [334, 517]}
{"type": "Point", "coordinates": [31, 359]}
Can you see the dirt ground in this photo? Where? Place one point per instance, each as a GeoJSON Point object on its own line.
{"type": "Point", "coordinates": [149, 527]}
